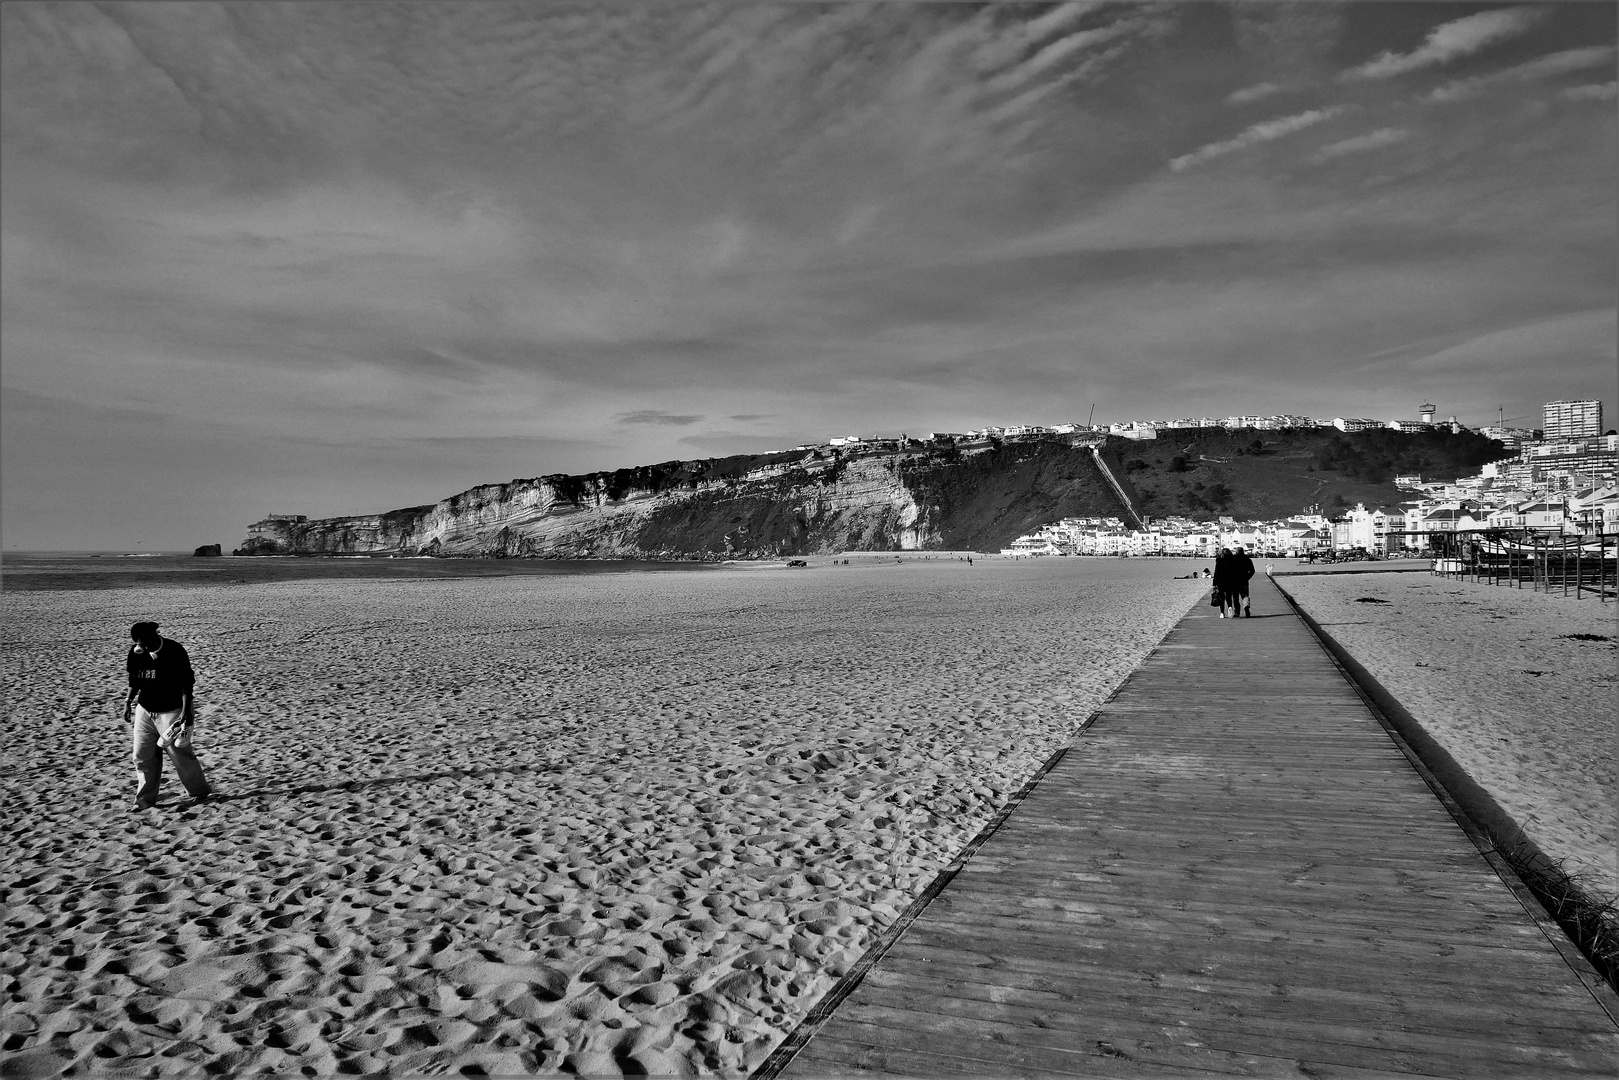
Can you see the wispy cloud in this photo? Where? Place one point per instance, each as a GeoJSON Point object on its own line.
{"type": "Point", "coordinates": [1592, 92]}
{"type": "Point", "coordinates": [1542, 67]}
{"type": "Point", "coordinates": [1450, 41]}
{"type": "Point", "coordinates": [1265, 132]}
{"type": "Point", "coordinates": [1053, 54]}
{"type": "Point", "coordinates": [1372, 140]}
{"type": "Point", "coordinates": [1584, 340]}
{"type": "Point", "coordinates": [1252, 93]}
{"type": "Point", "coordinates": [656, 416]}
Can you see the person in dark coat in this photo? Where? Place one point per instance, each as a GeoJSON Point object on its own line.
{"type": "Point", "coordinates": [1224, 596]}
{"type": "Point", "coordinates": [1241, 569]}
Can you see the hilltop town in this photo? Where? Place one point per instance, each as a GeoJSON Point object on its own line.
{"type": "Point", "coordinates": [1561, 480]}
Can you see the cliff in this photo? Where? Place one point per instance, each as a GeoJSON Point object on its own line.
{"type": "Point", "coordinates": [912, 497]}
{"type": "Point", "coordinates": [915, 497]}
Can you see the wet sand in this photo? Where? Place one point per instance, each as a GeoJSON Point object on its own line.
{"type": "Point", "coordinates": [630, 822]}
{"type": "Point", "coordinates": [1494, 675]}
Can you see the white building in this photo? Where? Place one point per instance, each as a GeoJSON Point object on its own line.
{"type": "Point", "coordinates": [1595, 508]}
{"type": "Point", "coordinates": [1545, 515]}
{"type": "Point", "coordinates": [1580, 419]}
{"type": "Point", "coordinates": [1135, 429]}
{"type": "Point", "coordinates": [1032, 546]}
{"type": "Point", "coordinates": [1510, 438]}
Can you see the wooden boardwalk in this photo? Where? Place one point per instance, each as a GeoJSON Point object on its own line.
{"type": "Point", "coordinates": [1235, 872]}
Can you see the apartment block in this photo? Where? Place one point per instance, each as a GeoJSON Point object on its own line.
{"type": "Point", "coordinates": [1573, 419]}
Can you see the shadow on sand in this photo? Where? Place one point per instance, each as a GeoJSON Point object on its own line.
{"type": "Point", "coordinates": [356, 785]}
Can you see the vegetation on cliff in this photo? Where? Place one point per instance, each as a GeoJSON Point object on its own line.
{"type": "Point", "coordinates": [983, 501]}
{"type": "Point", "coordinates": [1262, 475]}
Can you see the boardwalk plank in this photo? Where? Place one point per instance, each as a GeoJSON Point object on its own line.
{"type": "Point", "coordinates": [1212, 917]}
{"type": "Point", "coordinates": [1158, 995]}
{"type": "Point", "coordinates": [1462, 973]}
{"type": "Point", "coordinates": [1234, 872]}
{"type": "Point", "coordinates": [885, 1049]}
{"type": "Point", "coordinates": [1249, 925]}
{"type": "Point", "coordinates": [840, 1057]}
{"type": "Point", "coordinates": [1177, 1042]}
{"type": "Point", "coordinates": [1196, 975]}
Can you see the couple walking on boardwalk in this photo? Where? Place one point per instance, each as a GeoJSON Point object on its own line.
{"type": "Point", "coordinates": [1232, 569]}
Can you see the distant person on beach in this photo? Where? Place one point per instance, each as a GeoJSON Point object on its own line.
{"type": "Point", "coordinates": [159, 709]}
{"type": "Point", "coordinates": [1242, 570]}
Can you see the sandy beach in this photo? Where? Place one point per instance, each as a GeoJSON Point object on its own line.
{"type": "Point", "coordinates": [1496, 676]}
{"type": "Point", "coordinates": [627, 823]}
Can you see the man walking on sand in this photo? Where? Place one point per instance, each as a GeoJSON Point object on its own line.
{"type": "Point", "coordinates": [160, 707]}
{"type": "Point", "coordinates": [1241, 570]}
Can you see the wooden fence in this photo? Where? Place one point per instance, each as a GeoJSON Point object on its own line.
{"type": "Point", "coordinates": [1575, 566]}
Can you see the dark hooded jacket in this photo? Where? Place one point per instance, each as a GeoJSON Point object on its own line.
{"type": "Point", "coordinates": [1240, 568]}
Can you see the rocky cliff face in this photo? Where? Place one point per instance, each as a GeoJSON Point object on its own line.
{"type": "Point", "coordinates": [757, 506]}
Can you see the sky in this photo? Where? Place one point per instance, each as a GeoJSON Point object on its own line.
{"type": "Point", "coordinates": [339, 258]}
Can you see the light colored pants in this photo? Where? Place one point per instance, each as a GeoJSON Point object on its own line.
{"type": "Point", "coordinates": [169, 733]}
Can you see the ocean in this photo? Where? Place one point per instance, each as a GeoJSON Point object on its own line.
{"type": "Point", "coordinates": [53, 571]}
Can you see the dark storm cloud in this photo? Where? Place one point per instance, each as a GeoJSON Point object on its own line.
{"type": "Point", "coordinates": [656, 416]}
